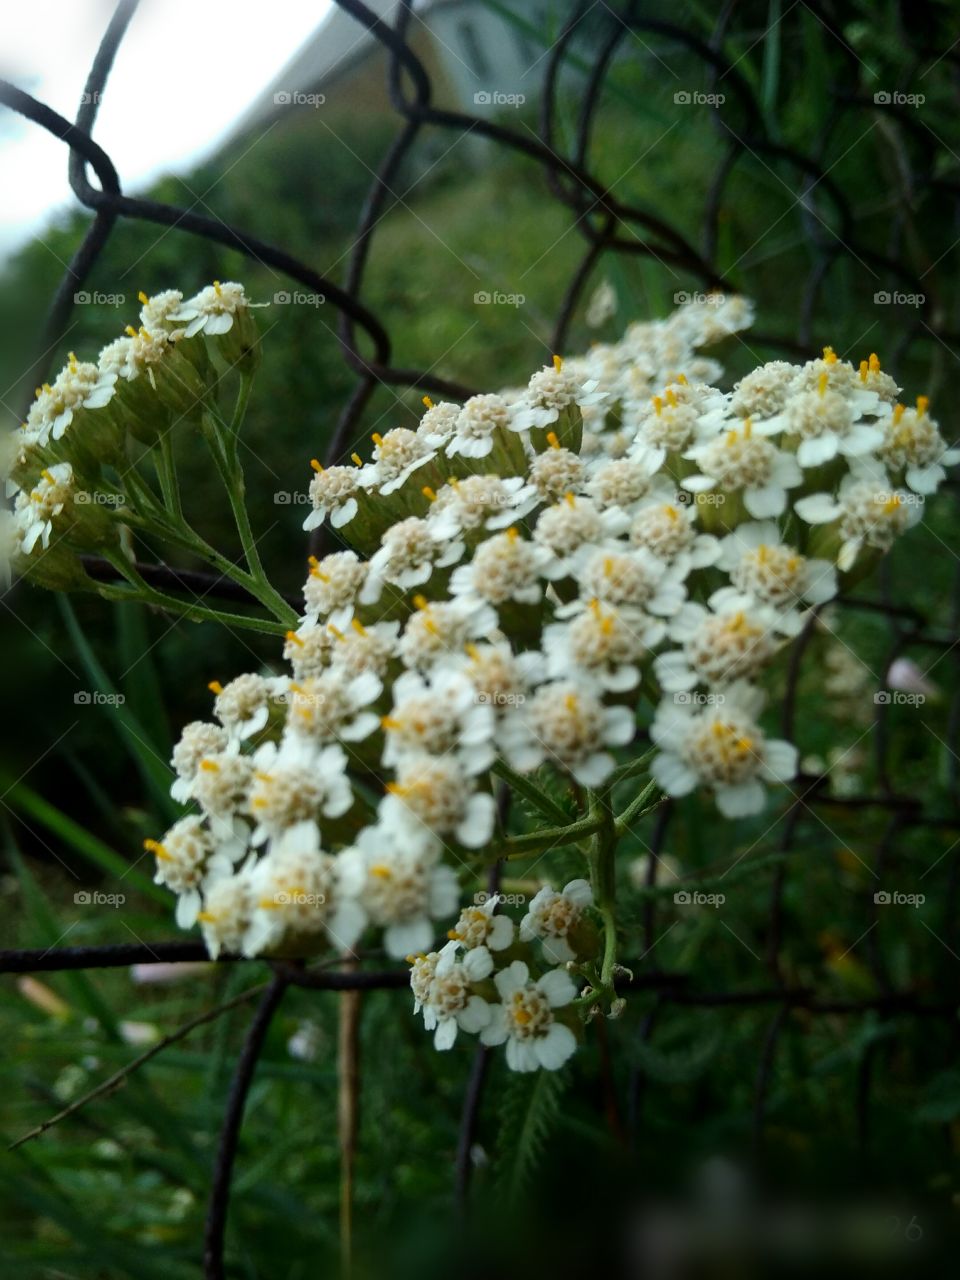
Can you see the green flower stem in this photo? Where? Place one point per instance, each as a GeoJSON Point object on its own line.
{"type": "Point", "coordinates": [549, 838]}
{"type": "Point", "coordinates": [631, 768]}
{"type": "Point", "coordinates": [603, 879]}
{"type": "Point", "coordinates": [527, 788]}
{"type": "Point", "coordinates": [638, 807]}
{"type": "Point", "coordinates": [223, 442]}
{"type": "Point", "coordinates": [141, 591]}
{"type": "Point", "coordinates": [167, 475]}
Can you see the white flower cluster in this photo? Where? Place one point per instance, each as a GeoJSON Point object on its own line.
{"type": "Point", "coordinates": [533, 579]}
{"type": "Point", "coordinates": [64, 466]}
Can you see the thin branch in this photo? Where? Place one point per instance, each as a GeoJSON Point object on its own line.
{"type": "Point", "coordinates": [119, 1077]}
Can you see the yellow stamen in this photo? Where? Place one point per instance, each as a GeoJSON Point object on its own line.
{"type": "Point", "coordinates": [822, 382]}
{"type": "Point", "coordinates": [377, 439]}
{"type": "Point", "coordinates": [206, 917]}
{"type": "Point", "coordinates": [215, 687]}
{"type": "Point", "coordinates": [898, 411]}
{"type": "Point", "coordinates": [557, 363]}
{"type": "Point", "coordinates": [294, 638]}
{"type": "Point", "coordinates": [337, 634]}
{"type": "Point", "coordinates": [316, 466]}
{"type": "Point", "coordinates": [923, 404]}
{"type": "Point", "coordinates": [429, 493]}
{"type": "Point", "coordinates": [381, 871]}
{"type": "Point", "coordinates": [874, 362]}
{"type": "Point", "coordinates": [571, 498]}
{"type": "Point", "coordinates": [209, 766]}
{"type": "Point", "coordinates": [142, 297]}
{"type": "Point", "coordinates": [552, 440]}
{"type": "Point", "coordinates": [390, 722]}
{"type": "Point", "coordinates": [829, 355]}
{"type": "Point", "coordinates": [358, 627]}
{"type": "Point", "coordinates": [425, 400]}
{"type": "Point", "coordinates": [420, 601]}
{"type": "Point", "coordinates": [513, 533]}
{"type": "Point", "coordinates": [863, 370]}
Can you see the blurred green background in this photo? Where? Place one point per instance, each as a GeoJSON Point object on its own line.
{"type": "Point", "coordinates": [120, 1190]}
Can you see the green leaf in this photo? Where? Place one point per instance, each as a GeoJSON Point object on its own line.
{"type": "Point", "coordinates": [531, 1108]}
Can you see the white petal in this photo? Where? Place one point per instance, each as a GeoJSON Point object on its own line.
{"type": "Point", "coordinates": [555, 1047]}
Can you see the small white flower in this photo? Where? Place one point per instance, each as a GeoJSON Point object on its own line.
{"type": "Point", "coordinates": [566, 724]}
{"type": "Point", "coordinates": [742, 460]}
{"type": "Point", "coordinates": [525, 1019]}
{"type": "Point", "coordinates": [668, 530]}
{"type": "Point", "coordinates": [719, 745]}
{"type": "Point", "coordinates": [198, 740]}
{"type": "Point", "coordinates": [403, 889]}
{"type": "Point", "coordinates": [189, 858]}
{"type": "Point", "coordinates": [433, 798]}
{"type": "Point", "coordinates": [297, 892]}
{"type": "Point", "coordinates": [396, 456]}
{"type": "Point", "coordinates": [333, 494]}
{"type": "Point", "coordinates": [719, 646]}
{"type": "Point", "coordinates": [913, 444]}
{"type": "Point", "coordinates": [504, 569]}
{"type": "Point", "coordinates": [478, 420]}
{"type": "Point", "coordinates": [481, 926]}
{"type": "Point", "coordinates": [868, 511]}
{"type": "Point", "coordinates": [769, 571]}
{"type": "Point", "coordinates": [243, 705]}
{"type": "Point", "coordinates": [296, 782]}
{"type": "Point", "coordinates": [213, 310]}
{"type": "Point", "coordinates": [441, 716]}
{"type": "Point", "coordinates": [442, 983]}
{"type": "Point", "coordinates": [469, 506]}
{"type": "Point", "coordinates": [333, 587]}
{"type": "Point", "coordinates": [553, 916]}
{"type": "Point", "coordinates": [568, 528]}
{"type": "Point", "coordinates": [333, 705]}
{"type": "Point", "coordinates": [37, 512]}
{"type": "Point", "coordinates": [408, 555]}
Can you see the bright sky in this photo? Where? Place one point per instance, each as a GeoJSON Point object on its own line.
{"type": "Point", "coordinates": [186, 70]}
